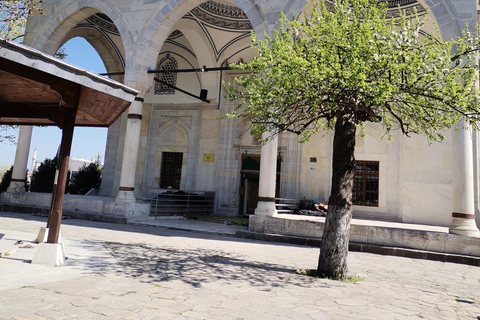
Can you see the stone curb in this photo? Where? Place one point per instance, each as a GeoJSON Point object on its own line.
{"type": "Point", "coordinates": [224, 234]}
{"type": "Point", "coordinates": [73, 214]}
{"type": "Point", "coordinates": [369, 248]}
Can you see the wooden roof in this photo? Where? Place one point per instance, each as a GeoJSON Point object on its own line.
{"type": "Point", "coordinates": [36, 89]}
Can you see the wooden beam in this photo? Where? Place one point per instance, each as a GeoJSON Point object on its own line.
{"type": "Point", "coordinates": [27, 110]}
{"type": "Point", "coordinates": [52, 112]}
{"type": "Point", "coordinates": [55, 213]}
{"type": "Point", "coordinates": [26, 122]}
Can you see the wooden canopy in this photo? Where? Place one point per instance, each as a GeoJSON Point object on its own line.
{"type": "Point", "coordinates": [37, 89]}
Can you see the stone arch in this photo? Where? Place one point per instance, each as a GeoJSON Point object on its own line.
{"type": "Point", "coordinates": [177, 131]}
{"type": "Point", "coordinates": [159, 26]}
{"type": "Point", "coordinates": [204, 57]}
{"type": "Point", "coordinates": [49, 36]}
{"type": "Point", "coordinates": [177, 124]}
{"type": "Point", "coordinates": [176, 138]}
{"type": "Point", "coordinates": [377, 131]}
{"type": "Point", "coordinates": [446, 17]}
{"type": "Point", "coordinates": [102, 47]}
{"type": "Point", "coordinates": [444, 12]}
{"type": "Point", "coordinates": [294, 6]}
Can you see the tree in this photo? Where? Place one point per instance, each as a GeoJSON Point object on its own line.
{"type": "Point", "coordinates": [43, 178]}
{"type": "Point", "coordinates": [8, 134]}
{"type": "Point", "coordinates": [340, 67]}
{"type": "Point", "coordinates": [13, 17]}
{"type": "Point", "coordinates": [88, 177]}
{"type": "Point", "coordinates": [6, 178]}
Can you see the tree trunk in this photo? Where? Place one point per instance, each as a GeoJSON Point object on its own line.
{"type": "Point", "coordinates": [332, 262]}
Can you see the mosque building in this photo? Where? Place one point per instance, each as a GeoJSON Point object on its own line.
{"type": "Point", "coordinates": [177, 53]}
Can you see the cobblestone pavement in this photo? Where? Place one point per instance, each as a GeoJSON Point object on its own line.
{"type": "Point", "coordinates": [166, 274]}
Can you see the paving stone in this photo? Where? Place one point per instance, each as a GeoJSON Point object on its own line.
{"type": "Point", "coordinates": [134, 272]}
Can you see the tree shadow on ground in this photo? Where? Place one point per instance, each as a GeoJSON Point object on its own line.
{"type": "Point", "coordinates": [156, 264]}
{"type": "Point", "coordinates": [142, 229]}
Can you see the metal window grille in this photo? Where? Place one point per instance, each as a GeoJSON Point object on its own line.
{"type": "Point", "coordinates": [167, 63]}
{"type": "Point", "coordinates": [365, 184]}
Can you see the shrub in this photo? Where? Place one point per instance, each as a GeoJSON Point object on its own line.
{"type": "Point", "coordinates": [43, 177]}
{"type": "Point", "coordinates": [87, 177]}
{"type": "Point", "coordinates": [6, 178]}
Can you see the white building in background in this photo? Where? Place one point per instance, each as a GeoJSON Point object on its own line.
{"type": "Point", "coordinates": [172, 139]}
{"type": "Point", "coordinates": [74, 164]}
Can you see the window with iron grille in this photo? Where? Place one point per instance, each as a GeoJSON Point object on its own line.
{"type": "Point", "coordinates": [167, 63]}
{"type": "Point", "coordinates": [171, 170]}
{"type": "Point", "coordinates": [365, 184]}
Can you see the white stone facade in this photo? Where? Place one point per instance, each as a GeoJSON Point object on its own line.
{"type": "Point", "coordinates": [415, 179]}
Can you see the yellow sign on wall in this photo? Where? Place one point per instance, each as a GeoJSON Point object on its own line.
{"type": "Point", "coordinates": [207, 157]}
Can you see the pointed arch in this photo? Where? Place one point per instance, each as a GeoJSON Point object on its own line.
{"type": "Point", "coordinates": [50, 35]}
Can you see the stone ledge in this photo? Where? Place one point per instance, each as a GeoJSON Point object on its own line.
{"type": "Point", "coordinates": [92, 208]}
{"type": "Point", "coordinates": [394, 235]}
{"type": "Point", "coordinates": [369, 248]}
{"type": "Point", "coordinates": [73, 214]}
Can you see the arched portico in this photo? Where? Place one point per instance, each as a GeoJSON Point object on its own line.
{"type": "Point", "coordinates": [207, 35]}
{"type": "Point", "coordinates": [143, 30]}
{"type": "Point", "coordinates": [54, 36]}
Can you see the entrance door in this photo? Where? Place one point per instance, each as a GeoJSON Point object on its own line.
{"type": "Point", "coordinates": [252, 194]}
{"type": "Point", "coordinates": [171, 170]}
{"type": "Point", "coordinates": [249, 183]}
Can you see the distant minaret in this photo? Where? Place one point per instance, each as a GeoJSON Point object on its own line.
{"type": "Point", "coordinates": [34, 160]}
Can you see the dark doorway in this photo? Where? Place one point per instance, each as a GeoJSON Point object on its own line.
{"type": "Point", "coordinates": [252, 194]}
{"type": "Point", "coordinates": [249, 183]}
{"type": "Point", "coordinates": [171, 170]}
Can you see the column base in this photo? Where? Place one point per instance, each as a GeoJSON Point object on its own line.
{"type": "Point", "coordinates": [43, 236]}
{"type": "Point", "coordinates": [464, 226]}
{"type": "Point", "coordinates": [16, 186]}
{"type": "Point", "coordinates": [52, 254]}
{"type": "Point", "coordinates": [125, 196]}
{"type": "Point", "coordinates": [265, 208]}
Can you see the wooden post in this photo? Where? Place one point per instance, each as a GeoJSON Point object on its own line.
{"type": "Point", "coordinates": [55, 213]}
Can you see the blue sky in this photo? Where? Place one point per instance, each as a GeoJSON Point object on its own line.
{"type": "Point", "coordinates": [87, 142]}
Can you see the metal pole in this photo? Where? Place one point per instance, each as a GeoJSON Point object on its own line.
{"type": "Point", "coordinates": [181, 90]}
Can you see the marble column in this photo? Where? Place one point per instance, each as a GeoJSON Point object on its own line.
{"type": "Point", "coordinates": [268, 178]}
{"type": "Point", "coordinates": [126, 192]}
{"type": "Point", "coordinates": [17, 183]}
{"type": "Point", "coordinates": [463, 201]}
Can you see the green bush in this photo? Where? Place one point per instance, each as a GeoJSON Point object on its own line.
{"type": "Point", "coordinates": [43, 177]}
{"type": "Point", "coordinates": [87, 177]}
{"type": "Point", "coordinates": [6, 178]}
